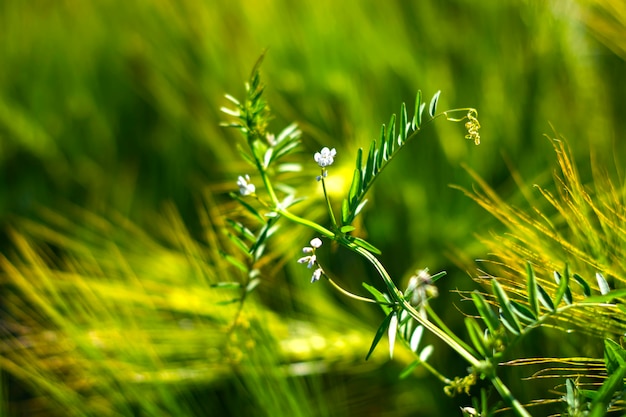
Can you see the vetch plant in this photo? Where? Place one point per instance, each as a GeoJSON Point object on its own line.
{"type": "Point", "coordinates": [408, 313]}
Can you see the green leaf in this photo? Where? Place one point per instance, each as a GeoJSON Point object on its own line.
{"type": "Point", "coordinates": [403, 123]}
{"type": "Point", "coordinates": [545, 298]}
{"type": "Point", "coordinates": [347, 228]}
{"type": "Point", "coordinates": [417, 118]}
{"type": "Point", "coordinates": [416, 338]}
{"type": "Point", "coordinates": [391, 130]}
{"type": "Point", "coordinates": [391, 333]}
{"type": "Point", "coordinates": [235, 262]}
{"type": "Point", "coordinates": [364, 244]}
{"type": "Point", "coordinates": [432, 108]}
{"type": "Point", "coordinates": [360, 207]}
{"type": "Point", "coordinates": [586, 288]}
{"type": "Point", "coordinates": [505, 307]}
{"type": "Point", "coordinates": [379, 333]}
{"type": "Point", "coordinates": [355, 188]}
{"type": "Point", "coordinates": [370, 164]}
{"type": "Point", "coordinates": [476, 335]}
{"type": "Point", "coordinates": [252, 284]}
{"type": "Point", "coordinates": [563, 282]}
{"type": "Point", "coordinates": [247, 206]}
{"type": "Point", "coordinates": [614, 356]}
{"type": "Point", "coordinates": [378, 296]}
{"type": "Point", "coordinates": [602, 284]}
{"type": "Point", "coordinates": [615, 361]}
{"type": "Point", "coordinates": [345, 211]}
{"type": "Point", "coordinates": [523, 312]}
{"type": "Point", "coordinates": [531, 288]}
{"type": "Point", "coordinates": [486, 312]}
{"type": "Point", "coordinates": [227, 285]}
{"type": "Point", "coordinates": [242, 230]}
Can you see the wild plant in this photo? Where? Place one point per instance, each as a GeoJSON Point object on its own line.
{"type": "Point", "coordinates": [506, 311]}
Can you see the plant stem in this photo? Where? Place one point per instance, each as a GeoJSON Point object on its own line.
{"type": "Point", "coordinates": [508, 397]}
{"type": "Point", "coordinates": [330, 209]}
{"type": "Point", "coordinates": [397, 296]}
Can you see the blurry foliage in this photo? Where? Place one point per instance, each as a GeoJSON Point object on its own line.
{"type": "Point", "coordinates": [114, 107]}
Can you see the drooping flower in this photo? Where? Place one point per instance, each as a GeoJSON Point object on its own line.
{"type": "Point", "coordinates": [325, 157]}
{"type": "Point", "coordinates": [309, 260]}
{"type": "Point", "coordinates": [421, 288]}
{"type": "Point", "coordinates": [245, 186]}
{"type": "Point", "coordinates": [316, 275]}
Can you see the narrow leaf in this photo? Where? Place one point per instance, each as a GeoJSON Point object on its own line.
{"type": "Point", "coordinates": [426, 352]}
{"type": "Point", "coordinates": [359, 207]}
{"type": "Point", "coordinates": [604, 286]}
{"type": "Point", "coordinates": [391, 130]}
{"type": "Point", "coordinates": [416, 338]}
{"type": "Point", "coordinates": [378, 296]}
{"type": "Point", "coordinates": [403, 122]}
{"type": "Point", "coordinates": [486, 312]}
{"type": "Point", "coordinates": [227, 285]}
{"type": "Point", "coordinates": [247, 206]}
{"type": "Point", "coordinates": [345, 211]}
{"type": "Point", "coordinates": [545, 298]}
{"type": "Point", "coordinates": [355, 188]}
{"type": "Point", "coordinates": [347, 228]}
{"type": "Point", "coordinates": [505, 306]}
{"type": "Point", "coordinates": [531, 288]}
{"type": "Point", "coordinates": [586, 288]}
{"type": "Point", "coordinates": [432, 109]}
{"type": "Point", "coordinates": [252, 284]}
{"type": "Point", "coordinates": [476, 335]}
{"type": "Point", "coordinates": [563, 282]}
{"type": "Point", "coordinates": [391, 333]}
{"type": "Point", "coordinates": [604, 396]}
{"type": "Point", "coordinates": [523, 312]}
{"type": "Point", "coordinates": [379, 334]}
{"type": "Point", "coordinates": [359, 157]}
{"type": "Point", "coordinates": [416, 122]}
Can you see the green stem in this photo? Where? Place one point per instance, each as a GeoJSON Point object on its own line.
{"type": "Point", "coordinates": [446, 329]}
{"type": "Point", "coordinates": [300, 220]}
{"type": "Point", "coordinates": [330, 209]}
{"type": "Point", "coordinates": [508, 397]}
{"type": "Point", "coordinates": [348, 293]}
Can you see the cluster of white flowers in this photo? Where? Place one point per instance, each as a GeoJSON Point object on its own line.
{"type": "Point", "coordinates": [311, 258]}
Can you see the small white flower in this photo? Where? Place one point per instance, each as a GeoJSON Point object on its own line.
{"type": "Point", "coordinates": [316, 242]}
{"type": "Point", "coordinates": [309, 260]}
{"type": "Point", "coordinates": [325, 157]}
{"type": "Point", "coordinates": [245, 186]}
{"type": "Point", "coordinates": [316, 275]}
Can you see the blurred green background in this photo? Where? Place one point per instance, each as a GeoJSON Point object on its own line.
{"type": "Point", "coordinates": [113, 107]}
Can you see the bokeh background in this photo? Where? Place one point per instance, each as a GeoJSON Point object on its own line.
{"type": "Point", "coordinates": [110, 148]}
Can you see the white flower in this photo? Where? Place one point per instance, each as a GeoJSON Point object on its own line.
{"type": "Point", "coordinates": [309, 260]}
{"type": "Point", "coordinates": [316, 275]}
{"type": "Point", "coordinates": [325, 157]}
{"type": "Point", "coordinates": [316, 242]}
{"type": "Point", "coordinates": [245, 186]}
